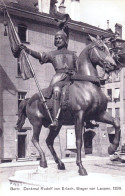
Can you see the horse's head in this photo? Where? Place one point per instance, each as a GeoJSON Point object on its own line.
{"type": "Point", "coordinates": [99, 54]}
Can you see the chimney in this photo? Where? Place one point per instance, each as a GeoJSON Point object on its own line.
{"type": "Point", "coordinates": [13, 1]}
{"type": "Point", "coordinates": [107, 24]}
{"type": "Point", "coordinates": [44, 6]}
{"type": "Point", "coordinates": [40, 5]}
{"type": "Point", "coordinates": [75, 10]}
{"type": "Point", "coordinates": [62, 8]}
{"type": "Point", "coordinates": [118, 29]}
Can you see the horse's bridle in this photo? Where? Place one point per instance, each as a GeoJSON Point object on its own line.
{"type": "Point", "coordinates": [105, 65]}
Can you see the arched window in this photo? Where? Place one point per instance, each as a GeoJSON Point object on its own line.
{"type": "Point", "coordinates": [22, 32]}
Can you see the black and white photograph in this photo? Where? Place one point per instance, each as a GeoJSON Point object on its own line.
{"type": "Point", "coordinates": [62, 97]}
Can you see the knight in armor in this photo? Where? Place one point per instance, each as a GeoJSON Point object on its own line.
{"type": "Point", "coordinates": [64, 63]}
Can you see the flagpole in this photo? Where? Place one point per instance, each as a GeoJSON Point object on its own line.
{"type": "Point", "coordinates": [31, 67]}
{"type": "Point", "coordinates": [39, 89]}
{"type": "Point", "coordinates": [11, 22]}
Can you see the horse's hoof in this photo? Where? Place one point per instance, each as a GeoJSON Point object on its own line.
{"type": "Point", "coordinates": [83, 172]}
{"type": "Point", "coordinates": [43, 164]}
{"type": "Point", "coordinates": [112, 149]}
{"type": "Point", "coordinates": [61, 166]}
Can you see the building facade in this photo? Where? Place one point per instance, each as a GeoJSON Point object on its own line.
{"type": "Point", "coordinates": [36, 30]}
{"type": "Point", "coordinates": [114, 89]}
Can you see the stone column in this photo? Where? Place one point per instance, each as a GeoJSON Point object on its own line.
{"type": "Point", "coordinates": [118, 28]}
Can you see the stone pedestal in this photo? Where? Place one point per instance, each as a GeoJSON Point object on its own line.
{"type": "Point", "coordinates": [53, 179]}
{"type": "Point", "coordinates": [42, 177]}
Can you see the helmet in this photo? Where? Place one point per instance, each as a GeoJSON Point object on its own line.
{"type": "Point", "coordinates": [63, 35]}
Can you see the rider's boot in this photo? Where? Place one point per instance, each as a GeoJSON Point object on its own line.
{"type": "Point", "coordinates": [56, 107]}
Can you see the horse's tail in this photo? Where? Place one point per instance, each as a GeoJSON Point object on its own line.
{"type": "Point", "coordinates": [21, 114]}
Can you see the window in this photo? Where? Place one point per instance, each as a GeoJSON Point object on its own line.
{"type": "Point", "coordinates": [18, 68]}
{"type": "Point", "coordinates": [110, 111]}
{"type": "Point", "coordinates": [117, 95]}
{"type": "Point", "coordinates": [22, 32]}
{"type": "Point", "coordinates": [111, 137]}
{"type": "Point", "coordinates": [109, 93]}
{"type": "Point", "coordinates": [117, 76]}
{"type": "Point", "coordinates": [22, 145]}
{"type": "Point", "coordinates": [21, 96]}
{"type": "Point", "coordinates": [109, 79]}
{"type": "Point", "coordinates": [88, 136]}
{"type": "Point", "coordinates": [117, 113]}
{"type": "Point", "coordinates": [71, 139]}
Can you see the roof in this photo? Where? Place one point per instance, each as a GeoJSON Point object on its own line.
{"type": "Point", "coordinates": [24, 4]}
{"type": "Point", "coordinates": [29, 10]}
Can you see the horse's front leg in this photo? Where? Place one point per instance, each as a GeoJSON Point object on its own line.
{"type": "Point", "coordinates": [50, 141]}
{"type": "Point", "coordinates": [79, 121]}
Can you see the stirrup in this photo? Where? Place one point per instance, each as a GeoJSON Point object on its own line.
{"type": "Point", "coordinates": [54, 124]}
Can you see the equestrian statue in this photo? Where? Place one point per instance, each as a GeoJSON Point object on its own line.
{"type": "Point", "coordinates": [74, 96]}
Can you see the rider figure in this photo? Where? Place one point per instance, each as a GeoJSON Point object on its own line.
{"type": "Point", "coordinates": [64, 63]}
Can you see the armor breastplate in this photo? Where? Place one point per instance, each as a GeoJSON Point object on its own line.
{"type": "Point", "coordinates": [64, 60]}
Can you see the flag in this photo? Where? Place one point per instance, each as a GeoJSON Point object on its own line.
{"type": "Point", "coordinates": [14, 40]}
{"type": "Point", "coordinates": [24, 66]}
{"type": "Point", "coordinates": [23, 60]}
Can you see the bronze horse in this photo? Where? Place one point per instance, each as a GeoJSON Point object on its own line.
{"type": "Point", "coordinates": [86, 102]}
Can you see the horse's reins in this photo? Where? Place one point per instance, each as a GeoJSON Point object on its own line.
{"type": "Point", "coordinates": [97, 53]}
{"type": "Point", "coordinates": [93, 79]}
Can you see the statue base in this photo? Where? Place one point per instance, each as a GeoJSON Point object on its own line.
{"type": "Point", "coordinates": [52, 179]}
{"type": "Point", "coordinates": [42, 176]}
